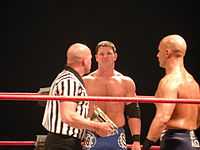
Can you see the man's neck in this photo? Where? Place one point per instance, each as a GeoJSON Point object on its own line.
{"type": "Point", "coordinates": [78, 69]}
{"type": "Point", "coordinates": [105, 72]}
{"type": "Point", "coordinates": [174, 66]}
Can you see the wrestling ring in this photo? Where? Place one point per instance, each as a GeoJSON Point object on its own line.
{"type": "Point", "coordinates": [16, 96]}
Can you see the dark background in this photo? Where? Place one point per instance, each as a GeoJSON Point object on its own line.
{"type": "Point", "coordinates": [35, 34]}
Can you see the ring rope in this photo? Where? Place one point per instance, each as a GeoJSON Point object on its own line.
{"type": "Point", "coordinates": [17, 143]}
{"type": "Point", "coordinates": [140, 99]}
{"type": "Point", "coordinates": [18, 93]}
{"type": "Point", "coordinates": [34, 143]}
{"type": "Point", "coordinates": [14, 96]}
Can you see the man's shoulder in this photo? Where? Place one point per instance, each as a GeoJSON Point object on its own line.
{"type": "Point", "coordinates": [90, 76]}
{"type": "Point", "coordinates": [172, 78]}
{"type": "Point", "coordinates": [64, 75]}
{"type": "Point", "coordinates": [169, 82]}
{"type": "Point", "coordinates": [122, 76]}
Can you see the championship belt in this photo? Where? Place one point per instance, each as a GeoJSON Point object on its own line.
{"type": "Point", "coordinates": [100, 116]}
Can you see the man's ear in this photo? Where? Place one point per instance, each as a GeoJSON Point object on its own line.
{"type": "Point", "coordinates": [96, 58]}
{"type": "Point", "coordinates": [167, 53]}
{"type": "Point", "coordinates": [83, 62]}
{"type": "Point", "coordinates": [116, 56]}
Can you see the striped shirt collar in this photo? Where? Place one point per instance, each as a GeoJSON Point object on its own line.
{"type": "Point", "coordinates": [70, 69]}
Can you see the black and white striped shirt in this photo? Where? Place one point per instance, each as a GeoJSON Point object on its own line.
{"type": "Point", "coordinates": [67, 83]}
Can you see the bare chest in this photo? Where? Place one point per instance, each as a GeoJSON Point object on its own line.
{"type": "Point", "coordinates": [113, 88]}
{"type": "Point", "coordinates": [107, 88]}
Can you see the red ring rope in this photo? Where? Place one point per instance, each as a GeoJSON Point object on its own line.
{"type": "Point", "coordinates": [17, 143]}
{"type": "Point", "coordinates": [18, 93]}
{"type": "Point", "coordinates": [141, 99]}
{"type": "Point", "coordinates": [39, 97]}
{"type": "Point", "coordinates": [33, 143]}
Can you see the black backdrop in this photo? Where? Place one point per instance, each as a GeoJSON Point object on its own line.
{"type": "Point", "coordinates": [35, 34]}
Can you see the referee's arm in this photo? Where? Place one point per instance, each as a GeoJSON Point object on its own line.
{"type": "Point", "coordinates": [71, 117]}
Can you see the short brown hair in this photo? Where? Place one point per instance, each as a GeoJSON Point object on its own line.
{"type": "Point", "coordinates": [105, 44]}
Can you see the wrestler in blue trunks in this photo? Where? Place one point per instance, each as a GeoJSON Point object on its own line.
{"type": "Point", "coordinates": [179, 139]}
{"type": "Point", "coordinates": [117, 141]}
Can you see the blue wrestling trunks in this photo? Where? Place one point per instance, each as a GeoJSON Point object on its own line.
{"type": "Point", "coordinates": [117, 141]}
{"type": "Point", "coordinates": [179, 139]}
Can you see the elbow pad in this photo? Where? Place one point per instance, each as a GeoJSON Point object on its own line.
{"type": "Point", "coordinates": [132, 110]}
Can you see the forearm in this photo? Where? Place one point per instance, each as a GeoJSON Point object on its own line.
{"type": "Point", "coordinates": [78, 121]}
{"type": "Point", "coordinates": [155, 130]}
{"type": "Point", "coordinates": [135, 125]}
{"type": "Point", "coordinates": [198, 121]}
{"type": "Point", "coordinates": [70, 116]}
{"type": "Point", "coordinates": [135, 128]}
{"type": "Point", "coordinates": [154, 133]}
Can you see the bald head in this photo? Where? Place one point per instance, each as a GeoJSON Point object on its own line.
{"type": "Point", "coordinates": [77, 52]}
{"type": "Point", "coordinates": [79, 58]}
{"type": "Point", "coordinates": [175, 43]}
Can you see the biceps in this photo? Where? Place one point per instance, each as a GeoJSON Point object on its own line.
{"type": "Point", "coordinates": [131, 90]}
{"type": "Point", "coordinates": [167, 91]}
{"type": "Point", "coordinates": [165, 111]}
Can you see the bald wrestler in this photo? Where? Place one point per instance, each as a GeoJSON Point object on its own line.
{"type": "Point", "coordinates": [174, 123]}
{"type": "Point", "coordinates": [106, 81]}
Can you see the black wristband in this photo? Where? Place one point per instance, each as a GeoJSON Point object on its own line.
{"type": "Point", "coordinates": [147, 144]}
{"type": "Point", "coordinates": [136, 137]}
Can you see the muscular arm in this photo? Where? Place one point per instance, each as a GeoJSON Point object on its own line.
{"type": "Point", "coordinates": [163, 111]}
{"type": "Point", "coordinates": [71, 117]}
{"type": "Point", "coordinates": [162, 116]}
{"type": "Point", "coordinates": [134, 125]}
{"type": "Point", "coordinates": [133, 122]}
{"type": "Point", "coordinates": [198, 121]}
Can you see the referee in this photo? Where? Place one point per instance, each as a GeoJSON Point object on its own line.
{"type": "Point", "coordinates": [66, 121]}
